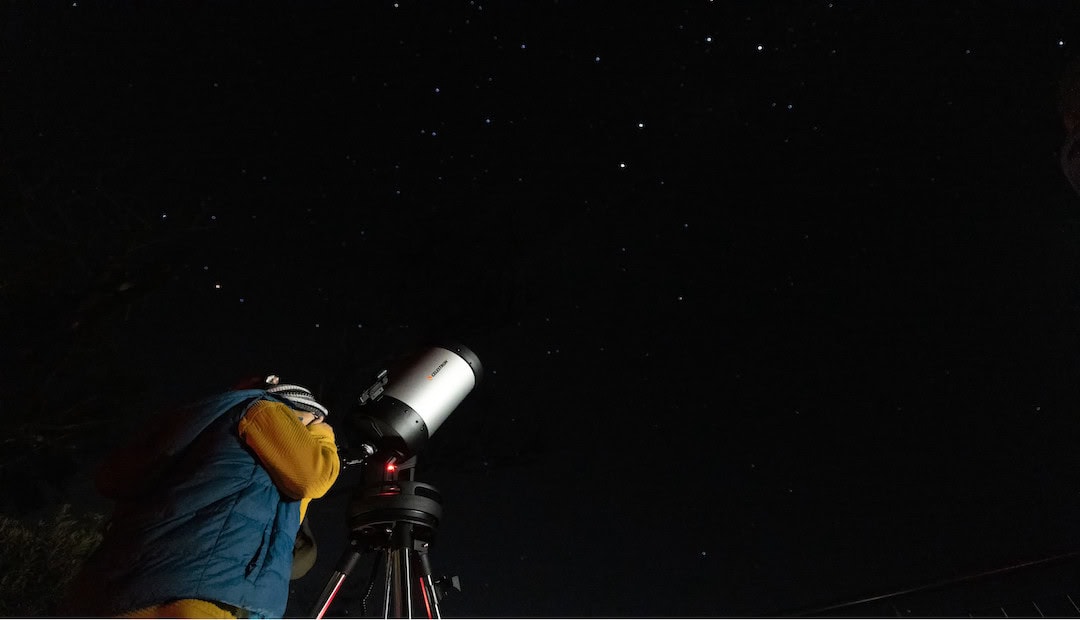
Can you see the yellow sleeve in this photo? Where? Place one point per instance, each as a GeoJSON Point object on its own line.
{"type": "Point", "coordinates": [301, 460]}
{"type": "Point", "coordinates": [183, 608]}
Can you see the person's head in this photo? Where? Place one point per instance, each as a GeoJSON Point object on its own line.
{"type": "Point", "coordinates": [298, 397]}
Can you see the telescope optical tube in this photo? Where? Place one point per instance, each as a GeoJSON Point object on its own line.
{"type": "Point", "coordinates": [420, 393]}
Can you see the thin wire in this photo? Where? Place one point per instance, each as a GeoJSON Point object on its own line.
{"type": "Point", "coordinates": [371, 582]}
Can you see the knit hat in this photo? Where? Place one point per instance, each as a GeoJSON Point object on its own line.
{"type": "Point", "coordinates": [298, 396]}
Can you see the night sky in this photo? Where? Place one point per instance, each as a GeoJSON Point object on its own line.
{"type": "Point", "coordinates": [778, 302]}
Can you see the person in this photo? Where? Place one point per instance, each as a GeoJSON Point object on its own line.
{"type": "Point", "coordinates": [208, 507]}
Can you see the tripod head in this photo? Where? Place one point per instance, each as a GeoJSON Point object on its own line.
{"type": "Point", "coordinates": [390, 495]}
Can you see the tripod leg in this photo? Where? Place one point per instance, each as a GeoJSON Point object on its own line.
{"type": "Point", "coordinates": [387, 572]}
{"type": "Point", "coordinates": [401, 542]}
{"type": "Point", "coordinates": [427, 584]}
{"type": "Point", "coordinates": [344, 567]}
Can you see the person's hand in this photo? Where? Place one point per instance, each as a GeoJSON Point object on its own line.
{"type": "Point", "coordinates": [306, 418]}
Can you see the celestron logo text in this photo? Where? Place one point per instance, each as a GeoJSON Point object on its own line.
{"type": "Point", "coordinates": [436, 371]}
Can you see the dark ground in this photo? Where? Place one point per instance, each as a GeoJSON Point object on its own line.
{"type": "Point", "coordinates": [808, 332]}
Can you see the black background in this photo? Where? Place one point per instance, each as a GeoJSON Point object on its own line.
{"type": "Point", "coordinates": [777, 302]}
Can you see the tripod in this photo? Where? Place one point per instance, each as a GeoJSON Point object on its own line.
{"type": "Point", "coordinates": [393, 514]}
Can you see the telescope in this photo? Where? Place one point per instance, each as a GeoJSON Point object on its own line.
{"type": "Point", "coordinates": [390, 513]}
{"type": "Point", "coordinates": [409, 402]}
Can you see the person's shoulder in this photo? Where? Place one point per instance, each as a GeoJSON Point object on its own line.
{"type": "Point", "coordinates": [268, 407]}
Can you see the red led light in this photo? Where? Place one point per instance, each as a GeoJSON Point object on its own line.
{"type": "Point", "coordinates": [391, 467]}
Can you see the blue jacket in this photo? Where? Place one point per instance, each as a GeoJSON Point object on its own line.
{"type": "Point", "coordinates": [213, 527]}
